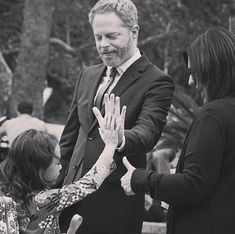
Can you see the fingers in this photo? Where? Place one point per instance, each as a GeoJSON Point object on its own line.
{"type": "Point", "coordinates": [126, 184]}
{"type": "Point", "coordinates": [123, 116]}
{"type": "Point", "coordinates": [98, 116]}
{"type": "Point", "coordinates": [113, 118]}
{"type": "Point", "coordinates": [109, 103]}
{"type": "Point", "coordinates": [126, 163]}
{"type": "Point", "coordinates": [74, 224]}
{"type": "Point", "coordinates": [117, 106]}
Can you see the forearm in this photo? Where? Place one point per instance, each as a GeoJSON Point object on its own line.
{"type": "Point", "coordinates": [106, 158]}
{"type": "Point", "coordinates": [90, 182]}
{"type": "Point", "coordinates": [140, 139]}
{"type": "Point", "coordinates": [148, 127]}
{"type": "Point", "coordinates": [181, 188]}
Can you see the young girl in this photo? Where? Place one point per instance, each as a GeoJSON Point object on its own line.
{"type": "Point", "coordinates": [33, 165]}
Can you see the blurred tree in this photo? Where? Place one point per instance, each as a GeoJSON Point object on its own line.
{"type": "Point", "coordinates": [179, 119]}
{"type": "Point", "coordinates": [166, 28]}
{"type": "Point", "coordinates": [231, 6]}
{"type": "Point", "coordinates": [5, 85]}
{"type": "Point", "coordinates": [30, 74]}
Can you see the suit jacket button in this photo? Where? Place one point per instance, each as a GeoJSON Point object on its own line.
{"type": "Point", "coordinates": [75, 166]}
{"type": "Point", "coordinates": [90, 138]}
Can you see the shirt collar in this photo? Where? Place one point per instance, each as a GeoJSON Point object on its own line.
{"type": "Point", "coordinates": [124, 66]}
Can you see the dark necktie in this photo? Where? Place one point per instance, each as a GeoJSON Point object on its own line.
{"type": "Point", "coordinates": [105, 87]}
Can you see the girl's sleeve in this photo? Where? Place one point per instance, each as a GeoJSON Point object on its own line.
{"type": "Point", "coordinates": [8, 216]}
{"type": "Point", "coordinates": [58, 199]}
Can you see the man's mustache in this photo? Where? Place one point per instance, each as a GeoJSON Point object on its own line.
{"type": "Point", "coordinates": [107, 51]}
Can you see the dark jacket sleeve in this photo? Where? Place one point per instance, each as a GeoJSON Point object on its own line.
{"type": "Point", "coordinates": [202, 163]}
{"type": "Point", "coordinates": [69, 134]}
{"type": "Point", "coordinates": [152, 118]}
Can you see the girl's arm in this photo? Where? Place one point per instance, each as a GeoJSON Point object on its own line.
{"type": "Point", "coordinates": [91, 181]}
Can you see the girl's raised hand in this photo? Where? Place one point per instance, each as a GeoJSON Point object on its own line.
{"type": "Point", "coordinates": [112, 121]}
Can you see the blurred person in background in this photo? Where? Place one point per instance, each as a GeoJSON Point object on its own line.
{"type": "Point", "coordinates": [24, 121]}
{"type": "Point", "coordinates": [159, 160]}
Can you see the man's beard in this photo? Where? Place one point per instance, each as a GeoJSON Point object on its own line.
{"type": "Point", "coordinates": [120, 55]}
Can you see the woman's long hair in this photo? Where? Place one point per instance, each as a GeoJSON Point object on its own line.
{"type": "Point", "coordinates": [30, 154]}
{"type": "Point", "coordinates": [212, 61]}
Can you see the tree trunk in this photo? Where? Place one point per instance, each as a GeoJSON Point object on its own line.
{"type": "Point", "coordinates": [232, 16]}
{"type": "Point", "coordinates": [30, 75]}
{"type": "Point", "coordinates": [5, 85]}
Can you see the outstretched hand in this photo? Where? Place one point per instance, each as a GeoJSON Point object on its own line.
{"type": "Point", "coordinates": [126, 179]}
{"type": "Point", "coordinates": [112, 124]}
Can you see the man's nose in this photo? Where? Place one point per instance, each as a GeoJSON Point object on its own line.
{"type": "Point", "coordinates": [104, 42]}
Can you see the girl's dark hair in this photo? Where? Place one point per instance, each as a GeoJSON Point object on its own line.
{"type": "Point", "coordinates": [212, 61]}
{"type": "Point", "coordinates": [30, 154]}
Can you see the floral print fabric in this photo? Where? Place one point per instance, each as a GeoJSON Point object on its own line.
{"type": "Point", "coordinates": [39, 213]}
{"type": "Point", "coordinates": [8, 216]}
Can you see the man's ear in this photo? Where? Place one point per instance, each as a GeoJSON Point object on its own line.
{"type": "Point", "coordinates": [135, 32]}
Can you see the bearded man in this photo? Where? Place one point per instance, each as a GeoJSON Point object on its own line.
{"type": "Point", "coordinates": [144, 89]}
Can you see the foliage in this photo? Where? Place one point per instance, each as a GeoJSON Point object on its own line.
{"type": "Point", "coordinates": [30, 73]}
{"type": "Point", "coordinates": [179, 119]}
{"type": "Point", "coordinates": [166, 28]}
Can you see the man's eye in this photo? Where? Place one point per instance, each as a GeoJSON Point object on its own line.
{"type": "Point", "coordinates": [112, 37]}
{"type": "Point", "coordinates": [98, 38]}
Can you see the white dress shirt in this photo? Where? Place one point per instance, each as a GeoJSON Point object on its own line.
{"type": "Point", "coordinates": [120, 70]}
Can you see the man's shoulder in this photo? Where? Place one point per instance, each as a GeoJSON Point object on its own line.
{"type": "Point", "coordinates": [91, 71]}
{"type": "Point", "coordinates": [155, 74]}
{"type": "Point", "coordinates": [149, 68]}
{"type": "Point", "coordinates": [93, 68]}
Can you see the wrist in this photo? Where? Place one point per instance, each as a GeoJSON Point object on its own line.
{"type": "Point", "coordinates": [110, 147]}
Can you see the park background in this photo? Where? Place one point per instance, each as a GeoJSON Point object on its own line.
{"type": "Point", "coordinates": [44, 44]}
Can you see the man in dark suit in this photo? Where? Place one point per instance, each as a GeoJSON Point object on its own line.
{"type": "Point", "coordinates": [144, 89]}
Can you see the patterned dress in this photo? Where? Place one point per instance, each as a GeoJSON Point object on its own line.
{"type": "Point", "coordinates": [8, 216]}
{"type": "Point", "coordinates": [39, 213]}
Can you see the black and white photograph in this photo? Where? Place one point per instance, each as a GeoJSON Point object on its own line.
{"type": "Point", "coordinates": [117, 117]}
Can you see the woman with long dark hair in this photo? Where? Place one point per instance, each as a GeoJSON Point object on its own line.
{"type": "Point", "coordinates": [202, 192]}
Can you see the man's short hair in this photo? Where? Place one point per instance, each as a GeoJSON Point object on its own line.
{"type": "Point", "coordinates": [125, 9]}
{"type": "Point", "coordinates": [25, 108]}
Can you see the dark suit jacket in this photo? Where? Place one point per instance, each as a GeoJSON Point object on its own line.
{"type": "Point", "coordinates": [147, 93]}
{"type": "Point", "coordinates": [202, 193]}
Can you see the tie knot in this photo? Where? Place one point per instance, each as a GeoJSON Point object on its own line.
{"type": "Point", "coordinates": [113, 72]}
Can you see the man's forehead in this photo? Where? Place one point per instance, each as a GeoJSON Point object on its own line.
{"type": "Point", "coordinates": [109, 18]}
{"type": "Point", "coordinates": [106, 32]}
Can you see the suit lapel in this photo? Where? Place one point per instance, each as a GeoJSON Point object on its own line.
{"type": "Point", "coordinates": [129, 77]}
{"type": "Point", "coordinates": [95, 79]}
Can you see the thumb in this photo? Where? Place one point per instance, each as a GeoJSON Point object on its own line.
{"type": "Point", "coordinates": [126, 163]}
{"type": "Point", "coordinates": [95, 111]}
{"type": "Point", "coordinates": [97, 115]}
